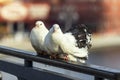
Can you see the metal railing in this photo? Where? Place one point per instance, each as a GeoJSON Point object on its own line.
{"type": "Point", "coordinates": [24, 72]}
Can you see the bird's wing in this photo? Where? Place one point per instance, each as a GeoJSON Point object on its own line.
{"type": "Point", "coordinates": [34, 40]}
{"type": "Point", "coordinates": [70, 38]}
{"type": "Point", "coordinates": [73, 50]}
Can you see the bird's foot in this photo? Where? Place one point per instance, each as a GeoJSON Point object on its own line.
{"type": "Point", "coordinates": [64, 57]}
{"type": "Point", "coordinates": [42, 54]}
{"type": "Point", "coordinates": [53, 56]}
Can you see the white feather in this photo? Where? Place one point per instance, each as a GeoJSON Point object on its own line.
{"type": "Point", "coordinates": [70, 38]}
{"type": "Point", "coordinates": [37, 36]}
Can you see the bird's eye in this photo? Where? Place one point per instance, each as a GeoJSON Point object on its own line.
{"type": "Point", "coordinates": [40, 24]}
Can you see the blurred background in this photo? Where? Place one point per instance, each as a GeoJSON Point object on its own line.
{"type": "Point", "coordinates": [102, 17]}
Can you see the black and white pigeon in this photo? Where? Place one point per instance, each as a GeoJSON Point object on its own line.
{"type": "Point", "coordinates": [82, 36]}
{"type": "Point", "coordinates": [64, 44]}
{"type": "Point", "coordinates": [37, 37]}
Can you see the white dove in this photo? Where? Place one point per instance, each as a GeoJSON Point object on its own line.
{"type": "Point", "coordinates": [61, 43]}
{"type": "Point", "coordinates": [52, 46]}
{"type": "Point", "coordinates": [37, 37]}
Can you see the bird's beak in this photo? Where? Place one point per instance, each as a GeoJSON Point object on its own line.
{"type": "Point", "coordinates": [53, 30]}
{"type": "Point", "coordinates": [37, 26]}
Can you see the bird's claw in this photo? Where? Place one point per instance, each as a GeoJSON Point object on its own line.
{"type": "Point", "coordinates": [64, 57]}
{"type": "Point", "coordinates": [53, 56]}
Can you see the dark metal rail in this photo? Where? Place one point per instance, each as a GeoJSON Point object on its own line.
{"type": "Point", "coordinates": [99, 72]}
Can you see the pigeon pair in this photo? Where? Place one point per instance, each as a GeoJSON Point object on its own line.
{"type": "Point", "coordinates": [71, 46]}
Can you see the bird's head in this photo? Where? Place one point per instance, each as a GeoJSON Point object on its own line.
{"type": "Point", "coordinates": [56, 28]}
{"type": "Point", "coordinates": [39, 23]}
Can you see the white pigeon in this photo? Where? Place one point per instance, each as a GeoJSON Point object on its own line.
{"type": "Point", "coordinates": [52, 46]}
{"type": "Point", "coordinates": [61, 43]}
{"type": "Point", "coordinates": [37, 37]}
